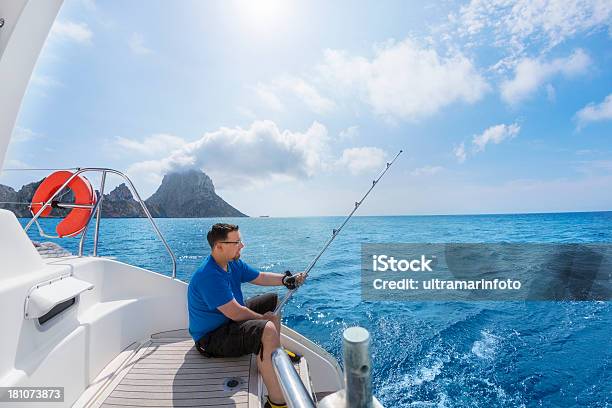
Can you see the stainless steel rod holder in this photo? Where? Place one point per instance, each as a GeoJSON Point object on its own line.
{"type": "Point", "coordinates": [357, 368]}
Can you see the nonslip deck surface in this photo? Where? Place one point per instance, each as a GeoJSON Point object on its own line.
{"type": "Point", "coordinates": [169, 372]}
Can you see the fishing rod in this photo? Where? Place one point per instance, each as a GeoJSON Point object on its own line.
{"type": "Point", "coordinates": [335, 233]}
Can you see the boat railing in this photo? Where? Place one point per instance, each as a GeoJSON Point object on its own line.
{"type": "Point", "coordinates": [97, 210]}
{"type": "Point", "coordinates": [296, 394]}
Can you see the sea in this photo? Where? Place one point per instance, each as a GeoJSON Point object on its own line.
{"type": "Point", "coordinates": [424, 354]}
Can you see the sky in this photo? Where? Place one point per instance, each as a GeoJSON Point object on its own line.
{"type": "Point", "coordinates": [292, 108]}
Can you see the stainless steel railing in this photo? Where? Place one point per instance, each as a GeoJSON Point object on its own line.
{"type": "Point", "coordinates": [294, 391]}
{"type": "Point", "coordinates": [97, 210]}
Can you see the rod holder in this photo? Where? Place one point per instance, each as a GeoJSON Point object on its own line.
{"type": "Point", "coordinates": [357, 368]}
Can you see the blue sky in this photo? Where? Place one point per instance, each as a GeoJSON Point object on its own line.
{"type": "Point", "coordinates": [293, 107]}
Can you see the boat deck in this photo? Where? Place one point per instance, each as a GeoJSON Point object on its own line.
{"type": "Point", "coordinates": [167, 371]}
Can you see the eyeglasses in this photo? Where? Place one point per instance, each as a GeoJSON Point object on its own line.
{"type": "Point", "coordinates": [231, 242]}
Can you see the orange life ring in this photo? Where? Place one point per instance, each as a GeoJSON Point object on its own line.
{"type": "Point", "coordinates": [77, 218]}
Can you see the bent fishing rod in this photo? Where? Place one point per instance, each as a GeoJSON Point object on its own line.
{"type": "Point", "coordinates": [335, 233]}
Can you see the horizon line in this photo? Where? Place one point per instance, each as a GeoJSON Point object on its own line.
{"type": "Point", "coordinates": [363, 216]}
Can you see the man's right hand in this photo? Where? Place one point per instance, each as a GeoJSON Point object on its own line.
{"type": "Point", "coordinates": [269, 316]}
{"type": "Point", "coordinates": [274, 318]}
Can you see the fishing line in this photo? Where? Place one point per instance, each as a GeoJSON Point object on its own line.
{"type": "Point", "coordinates": [335, 233]}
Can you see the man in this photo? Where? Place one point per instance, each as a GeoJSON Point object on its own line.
{"type": "Point", "coordinates": [221, 323]}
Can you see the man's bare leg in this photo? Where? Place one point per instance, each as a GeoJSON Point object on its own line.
{"type": "Point", "coordinates": [270, 341]}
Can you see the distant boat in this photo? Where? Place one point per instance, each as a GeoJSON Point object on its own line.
{"type": "Point", "coordinates": [264, 216]}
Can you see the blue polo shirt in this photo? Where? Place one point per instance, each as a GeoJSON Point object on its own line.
{"type": "Point", "coordinates": [211, 287]}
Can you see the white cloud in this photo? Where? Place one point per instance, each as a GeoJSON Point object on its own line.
{"type": "Point", "coordinates": [268, 96]}
{"type": "Point", "coordinates": [403, 80]}
{"type": "Point", "coordinates": [349, 133]}
{"type": "Point", "coordinates": [236, 157]}
{"type": "Point", "coordinates": [362, 159]}
{"type": "Point", "coordinates": [152, 145]}
{"type": "Point", "coordinates": [77, 32]}
{"type": "Point", "coordinates": [460, 152]}
{"type": "Point", "coordinates": [307, 93]}
{"type": "Point", "coordinates": [274, 92]}
{"type": "Point", "coordinates": [495, 134]}
{"type": "Point", "coordinates": [136, 44]}
{"type": "Point", "coordinates": [595, 112]}
{"type": "Point", "coordinates": [426, 171]}
{"type": "Point", "coordinates": [519, 24]}
{"type": "Point", "coordinates": [21, 134]}
{"type": "Point", "coordinates": [530, 74]}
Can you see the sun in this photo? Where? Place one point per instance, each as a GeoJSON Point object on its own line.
{"type": "Point", "coordinates": [263, 13]}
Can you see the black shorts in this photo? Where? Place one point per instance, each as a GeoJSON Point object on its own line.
{"type": "Point", "coordinates": [235, 339]}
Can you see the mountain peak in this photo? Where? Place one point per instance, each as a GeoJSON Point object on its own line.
{"type": "Point", "coordinates": [190, 178]}
{"type": "Point", "coordinates": [121, 192]}
{"type": "Point", "coordinates": [190, 193]}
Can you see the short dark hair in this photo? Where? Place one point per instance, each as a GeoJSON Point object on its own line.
{"type": "Point", "coordinates": [219, 232]}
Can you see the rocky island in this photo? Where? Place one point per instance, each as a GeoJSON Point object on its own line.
{"type": "Point", "coordinates": [187, 194]}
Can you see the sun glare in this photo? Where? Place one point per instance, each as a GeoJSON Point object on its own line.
{"type": "Point", "coordinates": [263, 14]}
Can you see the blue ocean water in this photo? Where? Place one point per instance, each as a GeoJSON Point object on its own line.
{"type": "Point", "coordinates": [425, 354]}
